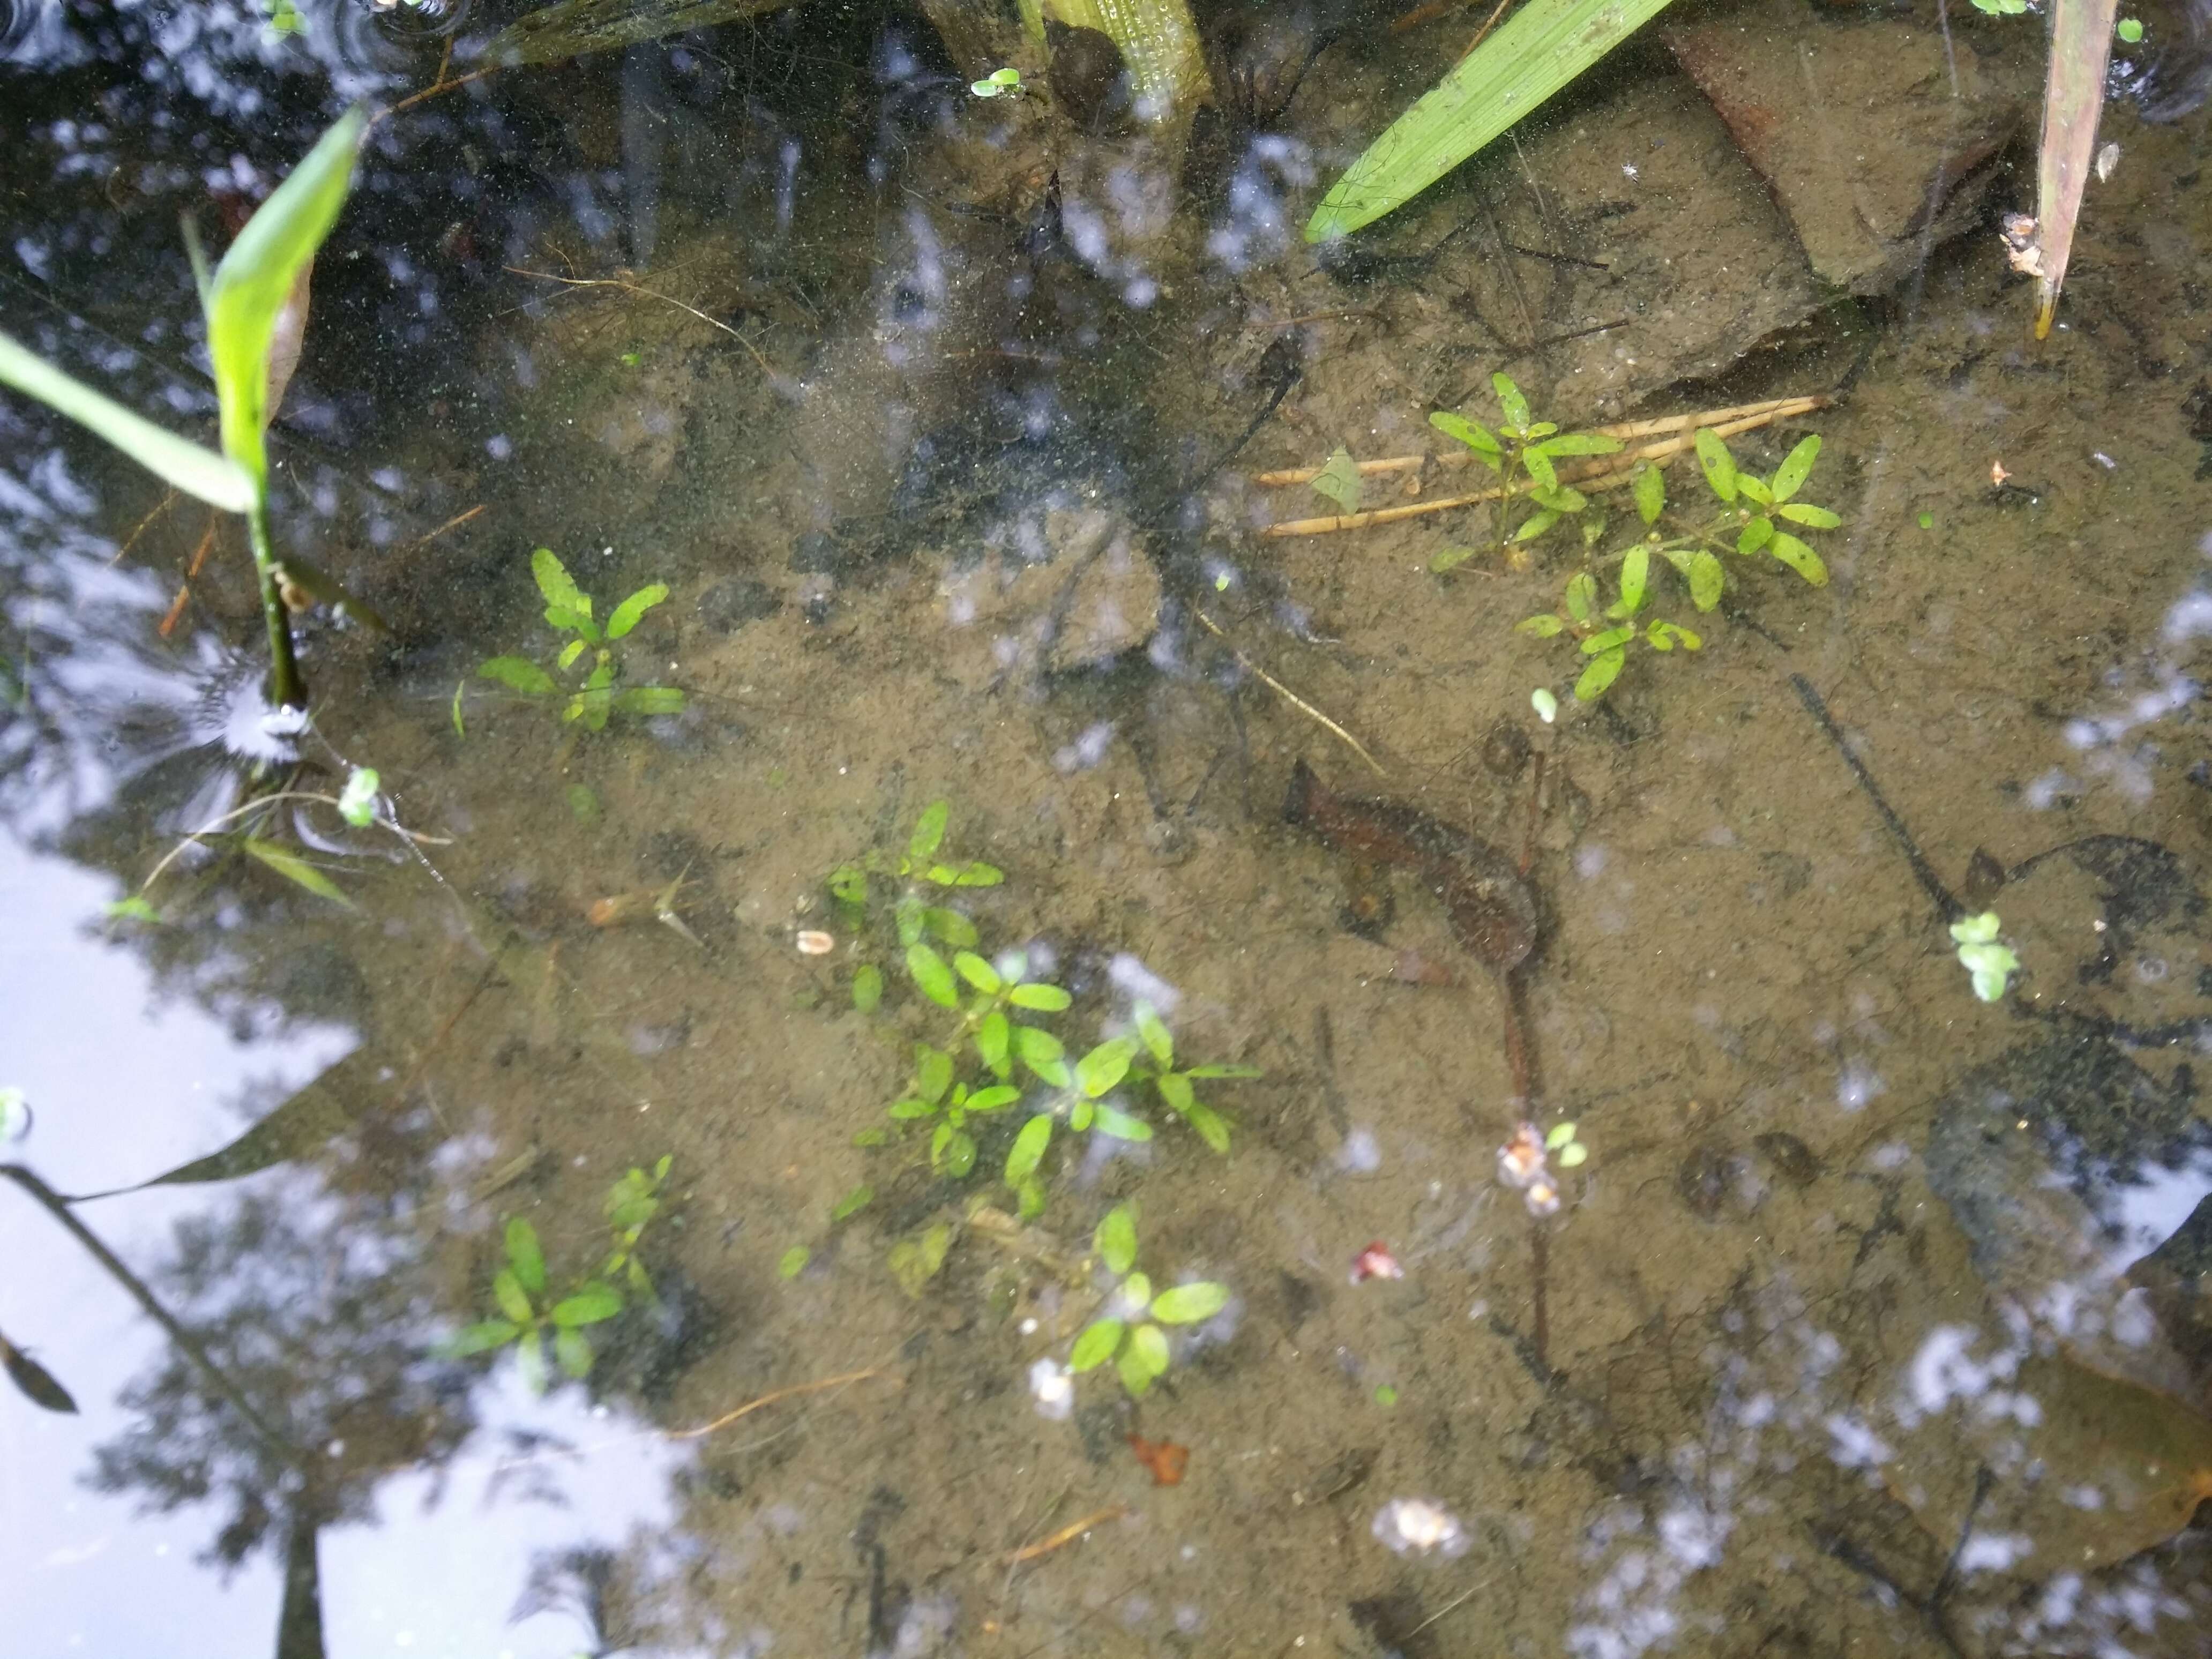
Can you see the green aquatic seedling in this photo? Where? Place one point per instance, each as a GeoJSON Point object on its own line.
{"type": "Point", "coordinates": [528, 1314]}
{"type": "Point", "coordinates": [1749, 522]}
{"type": "Point", "coordinates": [1522, 452]}
{"type": "Point", "coordinates": [999, 83]}
{"type": "Point", "coordinates": [630, 1206]}
{"type": "Point", "coordinates": [595, 698]}
{"type": "Point", "coordinates": [921, 866]}
{"type": "Point", "coordinates": [1990, 963]}
{"type": "Point", "coordinates": [1129, 1332]}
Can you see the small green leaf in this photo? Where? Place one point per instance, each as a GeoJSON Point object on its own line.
{"type": "Point", "coordinates": [932, 1072]}
{"type": "Point", "coordinates": [1707, 579]}
{"type": "Point", "coordinates": [1449, 559]}
{"type": "Point", "coordinates": [137, 907]}
{"type": "Point", "coordinates": [1796, 466]}
{"type": "Point", "coordinates": [1754, 489]}
{"type": "Point", "coordinates": [1612, 640]}
{"type": "Point", "coordinates": [993, 1099]}
{"type": "Point", "coordinates": [1540, 471]}
{"type": "Point", "coordinates": [947, 927]}
{"type": "Point", "coordinates": [1573, 1154]}
{"type": "Point", "coordinates": [1511, 400]}
{"type": "Point", "coordinates": [1814, 517]}
{"type": "Point", "coordinates": [1665, 636]}
{"type": "Point", "coordinates": [977, 972]}
{"type": "Point", "coordinates": [852, 1203]}
{"type": "Point", "coordinates": [1096, 1346]}
{"type": "Point", "coordinates": [513, 1301]}
{"type": "Point", "coordinates": [1136, 1377]}
{"type": "Point", "coordinates": [1175, 1089]}
{"type": "Point", "coordinates": [1561, 500]}
{"type": "Point", "coordinates": [867, 986]}
{"type": "Point", "coordinates": [909, 1107]}
{"type": "Point", "coordinates": [1039, 996]}
{"type": "Point", "coordinates": [793, 1262]}
{"type": "Point", "coordinates": [1042, 1052]}
{"type": "Point", "coordinates": [1339, 481]}
{"type": "Point", "coordinates": [1148, 1344]}
{"type": "Point", "coordinates": [1635, 576]}
{"type": "Point", "coordinates": [1534, 526]}
{"type": "Point", "coordinates": [931, 974]}
{"type": "Point", "coordinates": [872, 1136]}
{"type": "Point", "coordinates": [1718, 464]}
{"type": "Point", "coordinates": [1650, 490]}
{"type": "Point", "coordinates": [589, 1306]}
{"type": "Point", "coordinates": [643, 700]}
{"type": "Point", "coordinates": [977, 874]}
{"type": "Point", "coordinates": [1028, 1150]}
{"type": "Point", "coordinates": [517, 674]}
{"type": "Point", "coordinates": [1601, 673]}
{"type": "Point", "coordinates": [1116, 1239]}
{"type": "Point", "coordinates": [460, 725]}
{"type": "Point", "coordinates": [555, 584]}
{"type": "Point", "coordinates": [1478, 438]}
{"type": "Point", "coordinates": [626, 614]}
{"type": "Point", "coordinates": [1187, 1304]}
{"type": "Point", "coordinates": [1105, 1065]}
{"type": "Point", "coordinates": [848, 885]}
{"type": "Point", "coordinates": [479, 1338]}
{"type": "Point", "coordinates": [357, 800]}
{"type": "Point", "coordinates": [1755, 535]}
{"type": "Point", "coordinates": [1582, 596]}
{"type": "Point", "coordinates": [1029, 1199]}
{"type": "Point", "coordinates": [1799, 557]}
{"type": "Point", "coordinates": [570, 653]}
{"type": "Point", "coordinates": [524, 1257]}
{"type": "Point", "coordinates": [993, 1042]}
{"type": "Point", "coordinates": [1210, 1126]}
{"type": "Point", "coordinates": [296, 869]}
{"type": "Point", "coordinates": [1121, 1126]}
{"type": "Point", "coordinates": [1543, 627]}
{"type": "Point", "coordinates": [957, 1155]}
{"type": "Point", "coordinates": [572, 1350]}
{"type": "Point", "coordinates": [928, 831]}
{"type": "Point", "coordinates": [1580, 443]}
{"type": "Point", "coordinates": [1158, 1041]}
{"type": "Point", "coordinates": [2129, 31]}
{"type": "Point", "coordinates": [1080, 1114]}
{"type": "Point", "coordinates": [583, 805]}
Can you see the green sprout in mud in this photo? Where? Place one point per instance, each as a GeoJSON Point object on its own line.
{"type": "Point", "coordinates": [999, 83]}
{"type": "Point", "coordinates": [528, 1313]}
{"type": "Point", "coordinates": [1522, 452]}
{"type": "Point", "coordinates": [920, 867]}
{"type": "Point", "coordinates": [1129, 1332]}
{"type": "Point", "coordinates": [1990, 963]}
{"type": "Point", "coordinates": [1744, 524]}
{"type": "Point", "coordinates": [593, 698]}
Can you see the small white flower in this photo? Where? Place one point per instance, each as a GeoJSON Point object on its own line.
{"type": "Point", "coordinates": [1053, 1390]}
{"type": "Point", "coordinates": [1420, 1526]}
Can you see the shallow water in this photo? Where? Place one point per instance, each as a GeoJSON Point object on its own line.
{"type": "Point", "coordinates": [1873, 1320]}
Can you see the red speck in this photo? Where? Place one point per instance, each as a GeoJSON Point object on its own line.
{"type": "Point", "coordinates": [1166, 1460]}
{"type": "Point", "coordinates": [1376, 1262]}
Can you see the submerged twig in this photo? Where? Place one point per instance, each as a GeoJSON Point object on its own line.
{"type": "Point", "coordinates": [2073, 97]}
{"type": "Point", "coordinates": [772, 1396]}
{"type": "Point", "coordinates": [1289, 696]}
{"type": "Point", "coordinates": [627, 287]}
{"type": "Point", "coordinates": [1066, 1534]}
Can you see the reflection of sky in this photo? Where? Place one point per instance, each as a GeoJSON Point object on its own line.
{"type": "Point", "coordinates": [123, 1088]}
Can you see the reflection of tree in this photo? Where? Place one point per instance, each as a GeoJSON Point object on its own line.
{"type": "Point", "coordinates": [316, 1312]}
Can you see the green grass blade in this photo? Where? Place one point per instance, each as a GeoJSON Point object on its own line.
{"type": "Point", "coordinates": [1541, 47]}
{"type": "Point", "coordinates": [174, 461]}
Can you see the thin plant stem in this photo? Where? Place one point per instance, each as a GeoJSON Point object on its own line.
{"type": "Point", "coordinates": [286, 689]}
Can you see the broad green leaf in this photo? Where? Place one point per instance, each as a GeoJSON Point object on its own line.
{"type": "Point", "coordinates": [1449, 559]}
{"type": "Point", "coordinates": [525, 1256]}
{"type": "Point", "coordinates": [218, 481]}
{"type": "Point", "coordinates": [1042, 998]}
{"type": "Point", "coordinates": [1581, 443]}
{"type": "Point", "coordinates": [977, 972]}
{"type": "Point", "coordinates": [1116, 1239]}
{"type": "Point", "coordinates": [627, 614]}
{"type": "Point", "coordinates": [293, 868]}
{"type": "Point", "coordinates": [1137, 1293]}
{"type": "Point", "coordinates": [994, 1044]}
{"type": "Point", "coordinates": [1149, 1344]}
{"type": "Point", "coordinates": [530, 1362]}
{"type": "Point", "coordinates": [518, 674]}
{"type": "Point", "coordinates": [1187, 1304]}
{"type": "Point", "coordinates": [570, 653]}
{"type": "Point", "coordinates": [1665, 636]}
{"type": "Point", "coordinates": [1339, 481]}
{"type": "Point", "coordinates": [1136, 1376]}
{"type": "Point", "coordinates": [928, 831]}
{"type": "Point", "coordinates": [1541, 469]}
{"type": "Point", "coordinates": [1105, 1065]}
{"type": "Point", "coordinates": [1080, 1114]}
{"type": "Point", "coordinates": [1756, 534]}
{"type": "Point", "coordinates": [1096, 1346]}
{"type": "Point", "coordinates": [867, 986]}
{"type": "Point", "coordinates": [555, 582]}
{"type": "Point", "coordinates": [931, 974]}
{"type": "Point", "coordinates": [1225, 1070]}
{"type": "Point", "coordinates": [1815, 518]}
{"type": "Point", "coordinates": [1799, 557]}
{"type": "Point", "coordinates": [572, 1350]}
{"type": "Point", "coordinates": [1158, 1041]}
{"type": "Point", "coordinates": [1796, 466]}
{"type": "Point", "coordinates": [1475, 436]}
{"type": "Point", "coordinates": [1175, 1089]}
{"type": "Point", "coordinates": [948, 926]}
{"type": "Point", "coordinates": [993, 1099]}
{"type": "Point", "coordinates": [1718, 464]}
{"type": "Point", "coordinates": [977, 874]}
{"type": "Point", "coordinates": [932, 1072]}
{"type": "Point", "coordinates": [852, 1203]}
{"type": "Point", "coordinates": [479, 1338]}
{"type": "Point", "coordinates": [1582, 596]}
{"type": "Point", "coordinates": [1566, 498]}
{"type": "Point", "coordinates": [1121, 1126]}
{"type": "Point", "coordinates": [1043, 1054]}
{"type": "Point", "coordinates": [909, 1107]}
{"type": "Point", "coordinates": [1707, 579]}
{"type": "Point", "coordinates": [357, 800]}
{"type": "Point", "coordinates": [793, 1262]}
{"type": "Point", "coordinates": [1028, 1150]}
{"type": "Point", "coordinates": [571, 621]}
{"type": "Point", "coordinates": [1028, 1199]}
{"type": "Point", "coordinates": [1543, 627]}
{"type": "Point", "coordinates": [589, 1306]}
{"type": "Point", "coordinates": [913, 920]}
{"type": "Point", "coordinates": [1650, 489]}
{"type": "Point", "coordinates": [1612, 640]}
{"type": "Point", "coordinates": [1511, 401]}
{"type": "Point", "coordinates": [650, 700]}
{"type": "Point", "coordinates": [1754, 489]}
{"type": "Point", "coordinates": [1534, 526]}
{"type": "Point", "coordinates": [1602, 671]}
{"type": "Point", "coordinates": [848, 885]}
{"type": "Point", "coordinates": [513, 1301]}
{"type": "Point", "coordinates": [254, 280]}
{"type": "Point", "coordinates": [1635, 576]}
{"type": "Point", "coordinates": [957, 1155]}
{"type": "Point", "coordinates": [1210, 1125]}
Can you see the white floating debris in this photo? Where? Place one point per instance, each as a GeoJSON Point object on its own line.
{"type": "Point", "coordinates": [2108, 159]}
{"type": "Point", "coordinates": [1052, 1388]}
{"type": "Point", "coordinates": [813, 941]}
{"type": "Point", "coordinates": [1420, 1526]}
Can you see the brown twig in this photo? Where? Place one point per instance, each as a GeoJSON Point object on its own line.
{"type": "Point", "coordinates": [169, 499]}
{"type": "Point", "coordinates": [453, 522]}
{"type": "Point", "coordinates": [770, 1398]}
{"type": "Point", "coordinates": [1486, 27]}
{"type": "Point", "coordinates": [648, 293]}
{"type": "Point", "coordinates": [1066, 1534]}
{"type": "Point", "coordinates": [1289, 696]}
{"type": "Point", "coordinates": [440, 85]}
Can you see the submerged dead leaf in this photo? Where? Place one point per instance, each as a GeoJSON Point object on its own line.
{"type": "Point", "coordinates": [1166, 1460]}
